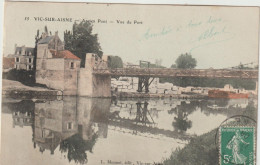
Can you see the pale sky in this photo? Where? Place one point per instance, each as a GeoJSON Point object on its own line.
{"type": "Point", "coordinates": [217, 37]}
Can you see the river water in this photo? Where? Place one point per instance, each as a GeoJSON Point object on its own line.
{"type": "Point", "coordinates": [78, 130]}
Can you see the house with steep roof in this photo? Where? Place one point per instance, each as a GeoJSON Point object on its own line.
{"type": "Point", "coordinates": [23, 57]}
{"type": "Point", "coordinates": [55, 67]}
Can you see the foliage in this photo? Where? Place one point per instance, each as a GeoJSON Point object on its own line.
{"type": "Point", "coordinates": [210, 82]}
{"type": "Point", "coordinates": [81, 41]}
{"type": "Point", "coordinates": [174, 66]}
{"type": "Point", "coordinates": [151, 65]}
{"type": "Point", "coordinates": [76, 147]}
{"type": "Point", "coordinates": [202, 149]}
{"type": "Point", "coordinates": [23, 76]}
{"type": "Point", "coordinates": [158, 62]}
{"type": "Point", "coordinates": [181, 122]}
{"type": "Point", "coordinates": [115, 62]}
{"type": "Point", "coordinates": [186, 61]}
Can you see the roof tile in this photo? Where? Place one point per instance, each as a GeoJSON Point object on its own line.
{"type": "Point", "coordinates": [63, 54]}
{"type": "Point", "coordinates": [8, 63]}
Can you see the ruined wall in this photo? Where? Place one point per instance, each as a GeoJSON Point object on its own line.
{"type": "Point", "coordinates": [56, 73]}
{"type": "Point", "coordinates": [93, 85]}
{"type": "Point", "coordinates": [42, 54]}
{"type": "Point", "coordinates": [84, 109]}
{"type": "Point", "coordinates": [91, 110]}
{"type": "Point", "coordinates": [49, 71]}
{"type": "Point", "coordinates": [53, 77]}
{"type": "Point", "coordinates": [101, 86]}
{"type": "Point", "coordinates": [71, 77]}
{"type": "Point", "coordinates": [69, 115]}
{"type": "Point", "coordinates": [49, 115]}
{"type": "Point", "coordinates": [85, 85]}
{"type": "Point", "coordinates": [55, 116]}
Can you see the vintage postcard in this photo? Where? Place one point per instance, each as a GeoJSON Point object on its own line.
{"type": "Point", "coordinates": [129, 84]}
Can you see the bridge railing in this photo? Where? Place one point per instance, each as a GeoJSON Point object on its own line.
{"type": "Point", "coordinates": [168, 72]}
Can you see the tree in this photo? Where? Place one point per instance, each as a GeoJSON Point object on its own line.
{"type": "Point", "coordinates": [76, 147]}
{"type": "Point", "coordinates": [158, 62]}
{"type": "Point", "coordinates": [81, 40]}
{"type": "Point", "coordinates": [186, 61]}
{"type": "Point", "coordinates": [173, 66]}
{"type": "Point", "coordinates": [26, 77]}
{"type": "Point", "coordinates": [115, 62]}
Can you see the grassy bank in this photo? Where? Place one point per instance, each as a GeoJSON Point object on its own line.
{"type": "Point", "coordinates": [202, 149]}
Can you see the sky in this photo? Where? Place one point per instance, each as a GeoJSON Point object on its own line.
{"type": "Point", "coordinates": [217, 37]}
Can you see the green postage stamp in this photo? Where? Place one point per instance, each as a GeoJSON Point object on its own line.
{"type": "Point", "coordinates": [237, 145]}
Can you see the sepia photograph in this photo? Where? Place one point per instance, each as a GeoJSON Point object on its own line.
{"type": "Point", "coordinates": [129, 84]}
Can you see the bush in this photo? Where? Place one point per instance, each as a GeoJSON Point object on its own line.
{"type": "Point", "coordinates": [210, 82]}
{"type": "Point", "coordinates": [202, 149]}
{"type": "Point", "coordinates": [24, 76]}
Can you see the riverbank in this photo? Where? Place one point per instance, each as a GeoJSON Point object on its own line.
{"type": "Point", "coordinates": [157, 95]}
{"type": "Point", "coordinates": [202, 149]}
{"type": "Point", "coordinates": [15, 89]}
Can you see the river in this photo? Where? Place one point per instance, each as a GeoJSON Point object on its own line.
{"type": "Point", "coordinates": [78, 130]}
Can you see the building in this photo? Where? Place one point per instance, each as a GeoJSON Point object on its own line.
{"type": "Point", "coordinates": [59, 69]}
{"type": "Point", "coordinates": [22, 119]}
{"type": "Point", "coordinates": [54, 122]}
{"type": "Point", "coordinates": [23, 57]}
{"type": "Point", "coordinates": [55, 67]}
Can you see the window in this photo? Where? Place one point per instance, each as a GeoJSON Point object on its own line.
{"type": "Point", "coordinates": [69, 125]}
{"type": "Point", "coordinates": [72, 65]}
{"type": "Point", "coordinates": [43, 134]}
{"type": "Point", "coordinates": [17, 59]}
{"type": "Point", "coordinates": [16, 113]}
{"type": "Point", "coordinates": [29, 67]}
{"type": "Point", "coordinates": [16, 66]}
{"type": "Point", "coordinates": [29, 60]}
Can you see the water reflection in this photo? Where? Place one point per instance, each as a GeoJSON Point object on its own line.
{"type": "Point", "coordinates": [68, 123]}
{"type": "Point", "coordinates": [181, 122]}
{"type": "Point", "coordinates": [74, 125]}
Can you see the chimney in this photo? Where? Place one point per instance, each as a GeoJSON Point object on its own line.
{"type": "Point", "coordinates": [44, 35]}
{"type": "Point", "coordinates": [23, 50]}
{"type": "Point", "coordinates": [15, 46]}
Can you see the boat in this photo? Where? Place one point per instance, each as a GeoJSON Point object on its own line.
{"type": "Point", "coordinates": [216, 107]}
{"type": "Point", "coordinates": [226, 94]}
